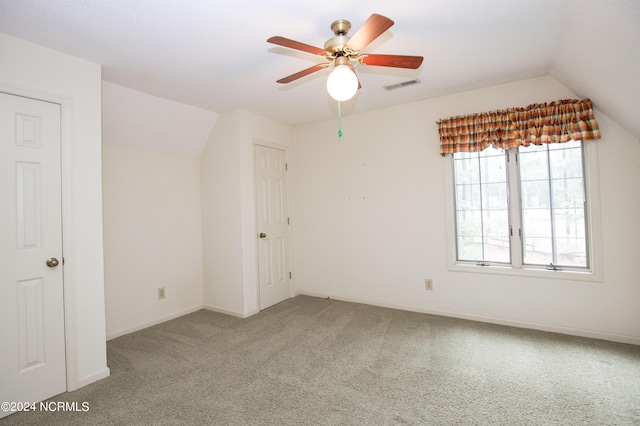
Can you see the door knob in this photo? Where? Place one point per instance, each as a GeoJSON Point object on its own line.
{"type": "Point", "coordinates": [52, 262]}
{"type": "Point", "coordinates": [262, 235]}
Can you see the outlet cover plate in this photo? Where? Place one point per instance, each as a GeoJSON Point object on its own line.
{"type": "Point", "coordinates": [428, 284]}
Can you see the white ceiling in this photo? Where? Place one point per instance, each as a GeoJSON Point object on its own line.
{"type": "Point", "coordinates": [213, 54]}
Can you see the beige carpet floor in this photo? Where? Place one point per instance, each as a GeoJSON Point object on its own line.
{"type": "Point", "coordinates": [312, 361]}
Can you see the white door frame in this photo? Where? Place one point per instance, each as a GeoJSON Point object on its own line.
{"type": "Point", "coordinates": [68, 282]}
{"type": "Point", "coordinates": [286, 149]}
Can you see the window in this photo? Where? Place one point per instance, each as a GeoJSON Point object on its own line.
{"type": "Point", "coordinates": [523, 209]}
{"type": "Point", "coordinates": [482, 206]}
{"type": "Point", "coordinates": [553, 205]}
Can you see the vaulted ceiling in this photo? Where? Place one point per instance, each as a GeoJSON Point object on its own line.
{"type": "Point", "coordinates": [213, 54]}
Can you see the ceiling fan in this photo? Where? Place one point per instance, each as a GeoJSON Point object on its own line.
{"type": "Point", "coordinates": [341, 50]}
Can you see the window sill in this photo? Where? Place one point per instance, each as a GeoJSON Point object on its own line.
{"type": "Point", "coordinates": [572, 275]}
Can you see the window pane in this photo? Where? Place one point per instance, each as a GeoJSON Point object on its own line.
{"type": "Point", "coordinates": [495, 223]}
{"type": "Point", "coordinates": [482, 215]}
{"type": "Point", "coordinates": [565, 163]}
{"type": "Point", "coordinates": [553, 206]}
{"type": "Point", "coordinates": [571, 239]}
{"type": "Point", "coordinates": [536, 223]}
{"type": "Point", "coordinates": [571, 251]}
{"type": "Point", "coordinates": [537, 164]}
{"type": "Point", "coordinates": [535, 194]}
{"type": "Point", "coordinates": [469, 223]}
{"type": "Point", "coordinates": [467, 170]}
{"type": "Point", "coordinates": [493, 167]}
{"type": "Point", "coordinates": [496, 235]}
{"type": "Point", "coordinates": [469, 248]}
{"type": "Point", "coordinates": [468, 197]}
{"type": "Point", "coordinates": [497, 249]}
{"type": "Point", "coordinates": [569, 223]}
{"type": "Point", "coordinates": [568, 192]}
{"type": "Point", "coordinates": [494, 196]}
{"type": "Point", "coordinates": [538, 251]}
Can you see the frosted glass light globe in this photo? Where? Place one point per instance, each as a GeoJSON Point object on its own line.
{"type": "Point", "coordinates": [342, 83]}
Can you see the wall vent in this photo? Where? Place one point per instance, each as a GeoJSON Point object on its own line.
{"type": "Point", "coordinates": [403, 84]}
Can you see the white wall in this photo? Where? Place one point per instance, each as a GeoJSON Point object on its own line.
{"type": "Point", "coordinates": [31, 70]}
{"type": "Point", "coordinates": [152, 210]}
{"type": "Point", "coordinates": [152, 236]}
{"type": "Point", "coordinates": [369, 221]}
{"type": "Point", "coordinates": [229, 211]}
{"type": "Point", "coordinates": [221, 216]}
{"type": "Point", "coordinates": [134, 118]}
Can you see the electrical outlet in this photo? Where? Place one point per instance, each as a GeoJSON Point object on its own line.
{"type": "Point", "coordinates": [161, 293]}
{"type": "Point", "coordinates": [428, 284]}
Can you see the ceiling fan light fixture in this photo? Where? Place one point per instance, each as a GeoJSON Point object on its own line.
{"type": "Point", "coordinates": [342, 83]}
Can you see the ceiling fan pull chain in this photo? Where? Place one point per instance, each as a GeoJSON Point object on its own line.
{"type": "Point", "coordinates": [339, 121]}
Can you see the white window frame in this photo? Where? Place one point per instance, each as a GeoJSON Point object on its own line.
{"type": "Point", "coordinates": [594, 244]}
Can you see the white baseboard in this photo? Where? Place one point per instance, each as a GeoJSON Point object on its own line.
{"type": "Point", "coordinates": [89, 379]}
{"type": "Point", "coordinates": [228, 312]}
{"type": "Point", "coordinates": [621, 338]}
{"type": "Point", "coordinates": [154, 322]}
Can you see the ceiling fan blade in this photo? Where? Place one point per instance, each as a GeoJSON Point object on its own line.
{"type": "Point", "coordinates": [395, 61]}
{"type": "Point", "coordinates": [292, 44]}
{"type": "Point", "coordinates": [369, 31]}
{"type": "Point", "coordinates": [302, 73]}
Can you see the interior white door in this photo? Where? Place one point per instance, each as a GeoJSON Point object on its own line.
{"type": "Point", "coordinates": [273, 241]}
{"type": "Point", "coordinates": [32, 359]}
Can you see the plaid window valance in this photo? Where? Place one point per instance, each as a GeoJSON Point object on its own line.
{"type": "Point", "coordinates": [553, 122]}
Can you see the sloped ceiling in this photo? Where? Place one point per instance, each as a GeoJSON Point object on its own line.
{"type": "Point", "coordinates": [213, 54]}
{"type": "Point", "coordinates": [598, 57]}
{"type": "Point", "coordinates": [133, 118]}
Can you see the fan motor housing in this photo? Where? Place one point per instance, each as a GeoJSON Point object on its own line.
{"type": "Point", "coordinates": [337, 44]}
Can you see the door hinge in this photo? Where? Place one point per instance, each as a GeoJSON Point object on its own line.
{"type": "Point", "coordinates": [289, 275]}
{"type": "Point", "coordinates": [286, 166]}
{"type": "Point", "coordinates": [288, 221]}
